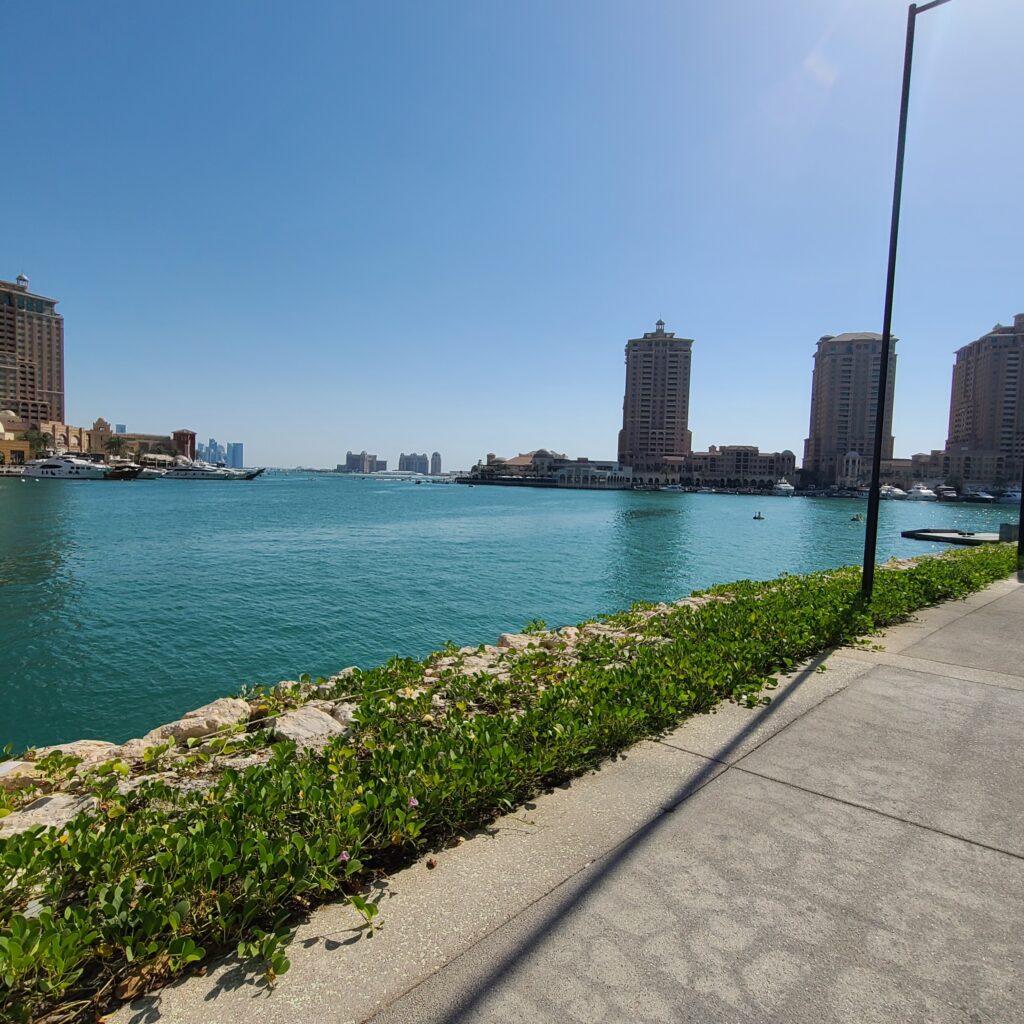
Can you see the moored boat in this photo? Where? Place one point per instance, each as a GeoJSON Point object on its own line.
{"type": "Point", "coordinates": [188, 469]}
{"type": "Point", "coordinates": [1010, 497]}
{"type": "Point", "coordinates": [70, 467]}
{"type": "Point", "coordinates": [784, 489]}
{"type": "Point", "coordinates": [889, 492]}
{"type": "Point", "coordinates": [919, 492]}
{"type": "Point", "coordinates": [974, 497]}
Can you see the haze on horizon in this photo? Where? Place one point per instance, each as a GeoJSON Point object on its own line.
{"type": "Point", "coordinates": [433, 226]}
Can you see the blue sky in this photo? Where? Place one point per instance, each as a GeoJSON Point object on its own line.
{"type": "Point", "coordinates": [399, 226]}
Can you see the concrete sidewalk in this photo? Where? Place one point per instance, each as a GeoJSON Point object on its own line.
{"type": "Point", "coordinates": [852, 852]}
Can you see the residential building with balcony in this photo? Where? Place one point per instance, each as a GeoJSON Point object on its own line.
{"type": "Point", "coordinates": [844, 389]}
{"type": "Point", "coordinates": [656, 404]}
{"type": "Point", "coordinates": [31, 354]}
{"type": "Point", "coordinates": [985, 442]}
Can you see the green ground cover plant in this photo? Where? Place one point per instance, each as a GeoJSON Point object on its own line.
{"type": "Point", "coordinates": [159, 879]}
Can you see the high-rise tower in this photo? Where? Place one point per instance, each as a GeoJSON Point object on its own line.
{"type": "Point", "coordinates": [656, 406]}
{"type": "Point", "coordinates": [843, 403]}
{"type": "Point", "coordinates": [986, 406]}
{"type": "Point", "coordinates": [31, 354]}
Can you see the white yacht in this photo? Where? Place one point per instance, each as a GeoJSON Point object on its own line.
{"type": "Point", "coordinates": [69, 467]}
{"type": "Point", "coordinates": [154, 465]}
{"type": "Point", "coordinates": [1010, 497]}
{"type": "Point", "coordinates": [784, 489]}
{"type": "Point", "coordinates": [921, 493]}
{"type": "Point", "coordinates": [185, 469]}
{"type": "Point", "coordinates": [888, 492]}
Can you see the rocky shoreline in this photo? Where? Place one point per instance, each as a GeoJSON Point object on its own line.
{"type": "Point", "coordinates": [215, 831]}
{"type": "Point", "coordinates": [45, 784]}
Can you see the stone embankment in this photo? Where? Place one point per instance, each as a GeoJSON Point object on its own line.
{"type": "Point", "coordinates": [235, 732]}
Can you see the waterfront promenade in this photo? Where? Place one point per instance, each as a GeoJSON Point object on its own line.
{"type": "Point", "coordinates": [851, 852]}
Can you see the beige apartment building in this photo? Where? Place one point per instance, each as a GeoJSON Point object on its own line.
{"type": "Point", "coordinates": [738, 465]}
{"type": "Point", "coordinates": [843, 404]}
{"type": "Point", "coordinates": [656, 405]}
{"type": "Point", "coordinates": [31, 354]}
{"type": "Point", "coordinates": [986, 408]}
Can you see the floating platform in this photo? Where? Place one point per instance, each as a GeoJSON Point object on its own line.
{"type": "Point", "coordinates": [952, 536]}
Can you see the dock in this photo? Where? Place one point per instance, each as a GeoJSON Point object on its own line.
{"type": "Point", "coordinates": [944, 536]}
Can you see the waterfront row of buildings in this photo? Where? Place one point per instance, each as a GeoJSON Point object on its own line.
{"type": "Point", "coordinates": [984, 444]}
{"type": "Point", "coordinates": [361, 462]}
{"type": "Point", "coordinates": [985, 435]}
{"type": "Point", "coordinates": [32, 397]}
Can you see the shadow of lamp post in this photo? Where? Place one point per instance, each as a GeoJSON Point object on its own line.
{"type": "Point", "coordinates": [871, 532]}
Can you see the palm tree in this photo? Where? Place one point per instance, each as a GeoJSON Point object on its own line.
{"type": "Point", "coordinates": [115, 445]}
{"type": "Point", "coordinates": [39, 441]}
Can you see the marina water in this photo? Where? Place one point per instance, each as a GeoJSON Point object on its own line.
{"type": "Point", "coordinates": [123, 605]}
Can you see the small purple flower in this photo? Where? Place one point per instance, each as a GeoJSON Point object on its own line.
{"type": "Point", "coordinates": [413, 802]}
{"type": "Point", "coordinates": [343, 856]}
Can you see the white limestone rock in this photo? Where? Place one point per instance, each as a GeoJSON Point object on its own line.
{"type": "Point", "coordinates": [517, 641]}
{"type": "Point", "coordinates": [135, 749]}
{"type": "Point", "coordinates": [306, 727]}
{"type": "Point", "coordinates": [476, 663]}
{"type": "Point", "coordinates": [18, 775]}
{"type": "Point", "coordinates": [344, 713]}
{"type": "Point", "coordinates": [49, 811]}
{"type": "Point", "coordinates": [210, 718]}
{"type": "Point", "coordinates": [90, 751]}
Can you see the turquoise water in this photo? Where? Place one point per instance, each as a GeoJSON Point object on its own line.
{"type": "Point", "coordinates": [123, 605]}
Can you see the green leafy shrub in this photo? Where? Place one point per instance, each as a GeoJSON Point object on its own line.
{"type": "Point", "coordinates": [161, 878]}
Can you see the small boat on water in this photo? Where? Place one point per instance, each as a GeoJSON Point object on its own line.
{"type": "Point", "coordinates": [919, 492]}
{"type": "Point", "coordinates": [946, 493]}
{"type": "Point", "coordinates": [858, 518]}
{"type": "Point", "coordinates": [1011, 497]}
{"type": "Point", "coordinates": [758, 515]}
{"type": "Point", "coordinates": [784, 489]}
{"type": "Point", "coordinates": [70, 467]}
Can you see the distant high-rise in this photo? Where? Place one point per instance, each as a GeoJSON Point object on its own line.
{"type": "Point", "coordinates": [435, 464]}
{"type": "Point", "coordinates": [986, 406]}
{"type": "Point", "coordinates": [844, 388]}
{"type": "Point", "coordinates": [235, 457]}
{"type": "Point", "coordinates": [656, 406]}
{"type": "Point", "coordinates": [360, 462]}
{"type": "Point", "coordinates": [31, 354]}
{"type": "Point", "coordinates": [414, 463]}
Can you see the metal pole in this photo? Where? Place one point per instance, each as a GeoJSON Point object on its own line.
{"type": "Point", "coordinates": [871, 533]}
{"type": "Point", "coordinates": [1020, 523]}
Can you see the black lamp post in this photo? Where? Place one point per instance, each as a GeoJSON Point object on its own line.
{"type": "Point", "coordinates": [871, 533]}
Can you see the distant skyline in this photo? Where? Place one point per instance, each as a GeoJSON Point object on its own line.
{"type": "Point", "coordinates": [358, 226]}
